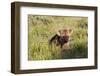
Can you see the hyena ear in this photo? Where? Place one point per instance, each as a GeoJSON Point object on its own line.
{"type": "Point", "coordinates": [59, 32]}
{"type": "Point", "coordinates": [70, 31]}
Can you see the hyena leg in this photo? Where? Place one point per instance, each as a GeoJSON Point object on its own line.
{"type": "Point", "coordinates": [65, 46]}
{"type": "Point", "coordinates": [65, 50]}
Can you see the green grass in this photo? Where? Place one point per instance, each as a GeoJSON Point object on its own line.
{"type": "Point", "coordinates": [42, 28]}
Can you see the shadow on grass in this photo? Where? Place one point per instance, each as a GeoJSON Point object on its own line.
{"type": "Point", "coordinates": [75, 52]}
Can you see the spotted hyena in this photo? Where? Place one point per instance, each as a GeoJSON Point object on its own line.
{"type": "Point", "coordinates": [61, 38]}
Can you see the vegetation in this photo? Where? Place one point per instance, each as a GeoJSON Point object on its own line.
{"type": "Point", "coordinates": [42, 28]}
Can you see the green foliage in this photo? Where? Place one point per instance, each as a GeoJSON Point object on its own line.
{"type": "Point", "coordinates": [42, 28]}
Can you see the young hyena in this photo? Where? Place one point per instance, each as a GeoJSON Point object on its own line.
{"type": "Point", "coordinates": [61, 38]}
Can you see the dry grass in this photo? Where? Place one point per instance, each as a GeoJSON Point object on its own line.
{"type": "Point", "coordinates": [42, 28]}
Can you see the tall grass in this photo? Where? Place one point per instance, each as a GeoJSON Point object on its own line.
{"type": "Point", "coordinates": [42, 28]}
